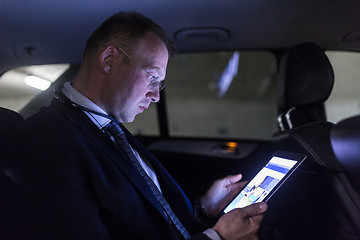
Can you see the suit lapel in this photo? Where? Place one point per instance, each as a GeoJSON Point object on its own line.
{"type": "Point", "coordinates": [113, 153]}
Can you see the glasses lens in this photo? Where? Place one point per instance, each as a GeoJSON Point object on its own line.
{"type": "Point", "coordinates": [156, 83]}
{"type": "Point", "coordinates": [161, 85]}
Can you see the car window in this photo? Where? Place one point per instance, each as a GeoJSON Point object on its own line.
{"type": "Point", "coordinates": [344, 100]}
{"type": "Point", "coordinates": [196, 106]}
{"type": "Point", "coordinates": [145, 124]}
{"type": "Point", "coordinates": [20, 85]}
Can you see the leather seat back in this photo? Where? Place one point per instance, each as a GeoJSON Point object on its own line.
{"type": "Point", "coordinates": [345, 140]}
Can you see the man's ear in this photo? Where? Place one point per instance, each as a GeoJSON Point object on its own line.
{"type": "Point", "coordinates": [107, 58]}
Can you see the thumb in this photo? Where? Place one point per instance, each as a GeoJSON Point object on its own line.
{"type": "Point", "coordinates": [255, 209]}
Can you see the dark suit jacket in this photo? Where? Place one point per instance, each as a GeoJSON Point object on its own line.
{"type": "Point", "coordinates": [68, 180]}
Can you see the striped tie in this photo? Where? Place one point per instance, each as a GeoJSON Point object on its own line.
{"type": "Point", "coordinates": [118, 134]}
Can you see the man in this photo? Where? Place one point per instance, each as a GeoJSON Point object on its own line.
{"type": "Point", "coordinates": [78, 178]}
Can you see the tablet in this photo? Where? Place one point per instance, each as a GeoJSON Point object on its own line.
{"type": "Point", "coordinates": [267, 180]}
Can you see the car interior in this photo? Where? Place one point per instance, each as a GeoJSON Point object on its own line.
{"type": "Point", "coordinates": [249, 78]}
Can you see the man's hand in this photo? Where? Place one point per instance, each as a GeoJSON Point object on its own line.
{"type": "Point", "coordinates": [220, 193]}
{"type": "Point", "coordinates": [241, 223]}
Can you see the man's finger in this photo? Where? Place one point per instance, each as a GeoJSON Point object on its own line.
{"type": "Point", "coordinates": [240, 185]}
{"type": "Point", "coordinates": [234, 178]}
{"type": "Point", "coordinates": [255, 209]}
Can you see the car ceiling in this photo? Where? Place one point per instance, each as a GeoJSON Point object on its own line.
{"type": "Point", "coordinates": [43, 32]}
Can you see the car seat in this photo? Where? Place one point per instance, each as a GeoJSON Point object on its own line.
{"type": "Point", "coordinates": [317, 202]}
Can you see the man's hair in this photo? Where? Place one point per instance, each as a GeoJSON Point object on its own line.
{"type": "Point", "coordinates": [128, 27]}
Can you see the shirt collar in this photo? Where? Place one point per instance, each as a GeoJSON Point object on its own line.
{"type": "Point", "coordinates": [76, 97]}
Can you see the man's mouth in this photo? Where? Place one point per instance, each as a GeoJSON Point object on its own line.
{"type": "Point", "coordinates": [142, 108]}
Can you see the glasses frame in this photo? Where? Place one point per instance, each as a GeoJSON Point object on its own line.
{"type": "Point", "coordinates": [154, 81]}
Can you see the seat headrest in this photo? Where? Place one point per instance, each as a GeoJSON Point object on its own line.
{"type": "Point", "coordinates": [345, 141]}
{"type": "Point", "coordinates": [305, 77]}
{"type": "Point", "coordinates": [8, 120]}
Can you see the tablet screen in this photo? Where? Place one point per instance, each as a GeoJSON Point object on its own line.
{"type": "Point", "coordinates": [267, 180]}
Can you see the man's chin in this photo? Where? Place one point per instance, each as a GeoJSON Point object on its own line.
{"type": "Point", "coordinates": [125, 119]}
{"type": "Point", "coordinates": [130, 119]}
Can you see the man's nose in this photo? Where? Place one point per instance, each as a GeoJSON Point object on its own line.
{"type": "Point", "coordinates": [154, 94]}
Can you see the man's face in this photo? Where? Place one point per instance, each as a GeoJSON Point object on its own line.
{"type": "Point", "coordinates": [127, 92]}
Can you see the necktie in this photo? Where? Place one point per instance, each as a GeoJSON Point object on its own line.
{"type": "Point", "coordinates": [122, 142]}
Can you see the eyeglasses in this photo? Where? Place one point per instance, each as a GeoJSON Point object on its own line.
{"type": "Point", "coordinates": [154, 81]}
